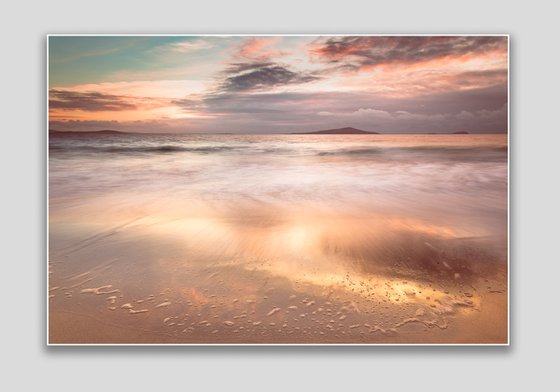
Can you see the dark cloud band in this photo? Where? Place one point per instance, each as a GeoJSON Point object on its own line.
{"type": "Point", "coordinates": [89, 102]}
{"type": "Point", "coordinates": [261, 75]}
{"type": "Point", "coordinates": [353, 52]}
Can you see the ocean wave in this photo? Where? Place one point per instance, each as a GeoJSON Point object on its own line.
{"type": "Point", "coordinates": [447, 153]}
{"type": "Point", "coordinates": [492, 153]}
{"type": "Point", "coordinates": [424, 149]}
{"type": "Point", "coordinates": [140, 149]}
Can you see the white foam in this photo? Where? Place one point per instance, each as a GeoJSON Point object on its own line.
{"type": "Point", "coordinates": [377, 328]}
{"type": "Point", "coordinates": [433, 323]}
{"type": "Point", "coordinates": [274, 310]}
{"type": "Point", "coordinates": [132, 311]}
{"type": "Point", "coordinates": [100, 290]}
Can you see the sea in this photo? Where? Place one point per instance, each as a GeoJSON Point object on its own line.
{"type": "Point", "coordinates": [225, 220]}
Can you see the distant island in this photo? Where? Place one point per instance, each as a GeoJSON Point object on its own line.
{"type": "Point", "coordinates": [102, 132]}
{"type": "Point", "coordinates": [338, 131]}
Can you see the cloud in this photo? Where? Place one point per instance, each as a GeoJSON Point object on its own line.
{"type": "Point", "coordinates": [254, 66]}
{"type": "Point", "coordinates": [187, 46]}
{"type": "Point", "coordinates": [258, 49]}
{"type": "Point", "coordinates": [189, 103]}
{"type": "Point", "coordinates": [406, 121]}
{"type": "Point", "coordinates": [474, 110]}
{"type": "Point", "coordinates": [261, 75]}
{"type": "Point", "coordinates": [470, 79]}
{"type": "Point", "coordinates": [190, 46]}
{"type": "Point", "coordinates": [477, 110]}
{"type": "Point", "coordinates": [87, 101]}
{"type": "Point", "coordinates": [465, 115]}
{"type": "Point", "coordinates": [357, 52]}
{"type": "Point", "coordinates": [376, 113]}
{"type": "Point", "coordinates": [255, 85]}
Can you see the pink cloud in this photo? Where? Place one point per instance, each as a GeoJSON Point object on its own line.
{"type": "Point", "coordinates": [259, 49]}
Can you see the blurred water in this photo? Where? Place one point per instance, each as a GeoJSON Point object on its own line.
{"type": "Point", "coordinates": [327, 211]}
{"type": "Point", "coordinates": [457, 178]}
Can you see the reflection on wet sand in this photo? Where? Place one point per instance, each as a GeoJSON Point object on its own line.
{"type": "Point", "coordinates": [255, 256]}
{"type": "Point", "coordinates": [296, 279]}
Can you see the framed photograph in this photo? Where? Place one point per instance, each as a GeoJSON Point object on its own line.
{"type": "Point", "coordinates": [278, 190]}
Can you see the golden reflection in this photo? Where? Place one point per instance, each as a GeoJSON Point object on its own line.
{"type": "Point", "coordinates": [296, 249]}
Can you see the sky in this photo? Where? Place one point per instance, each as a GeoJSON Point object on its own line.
{"type": "Point", "coordinates": [278, 84]}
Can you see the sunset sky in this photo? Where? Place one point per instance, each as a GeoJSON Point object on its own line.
{"type": "Point", "coordinates": [275, 84]}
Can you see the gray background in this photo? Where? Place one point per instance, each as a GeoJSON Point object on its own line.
{"type": "Point", "coordinates": [529, 362]}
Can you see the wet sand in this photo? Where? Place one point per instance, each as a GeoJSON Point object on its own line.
{"type": "Point", "coordinates": [149, 265]}
{"type": "Point", "coordinates": [304, 279]}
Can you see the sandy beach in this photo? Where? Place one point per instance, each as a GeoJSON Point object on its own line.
{"type": "Point", "coordinates": [278, 239]}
